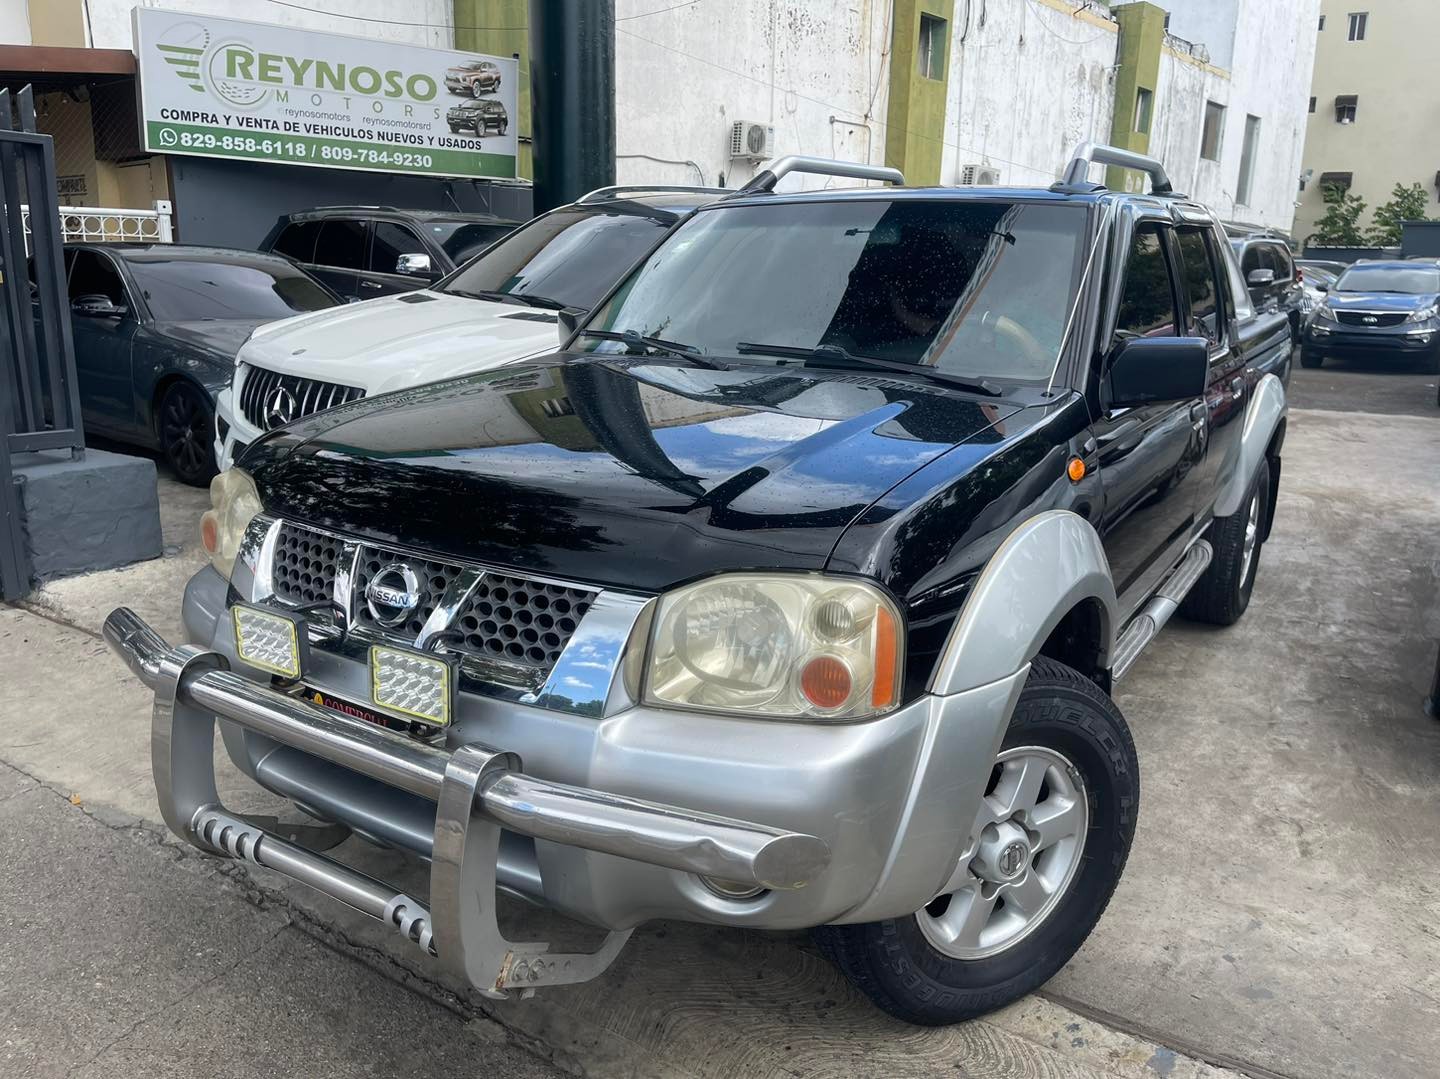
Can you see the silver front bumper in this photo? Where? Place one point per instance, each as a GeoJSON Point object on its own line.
{"type": "Point", "coordinates": [477, 790]}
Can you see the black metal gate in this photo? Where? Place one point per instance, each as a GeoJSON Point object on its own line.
{"type": "Point", "coordinates": [39, 397]}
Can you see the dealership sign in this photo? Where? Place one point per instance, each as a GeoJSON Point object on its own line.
{"type": "Point", "coordinates": [227, 88]}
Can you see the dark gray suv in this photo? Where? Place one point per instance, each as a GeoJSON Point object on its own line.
{"type": "Point", "coordinates": [1271, 275]}
{"type": "Point", "coordinates": [366, 251]}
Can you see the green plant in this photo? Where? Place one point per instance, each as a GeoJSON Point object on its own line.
{"type": "Point", "coordinates": [1340, 224]}
{"type": "Point", "coordinates": [1405, 204]}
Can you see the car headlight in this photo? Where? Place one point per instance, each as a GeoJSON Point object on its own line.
{"type": "Point", "coordinates": [1424, 313]}
{"type": "Point", "coordinates": [234, 502]}
{"type": "Point", "coordinates": [778, 646]}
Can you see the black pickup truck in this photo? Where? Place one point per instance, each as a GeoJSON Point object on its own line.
{"type": "Point", "coordinates": [789, 595]}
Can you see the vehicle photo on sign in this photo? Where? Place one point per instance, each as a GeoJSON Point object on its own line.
{"type": "Point", "coordinates": [228, 88]}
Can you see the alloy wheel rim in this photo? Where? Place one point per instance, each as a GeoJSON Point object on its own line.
{"type": "Point", "coordinates": [183, 422]}
{"type": "Point", "coordinates": [1252, 534]}
{"type": "Point", "coordinates": [1027, 845]}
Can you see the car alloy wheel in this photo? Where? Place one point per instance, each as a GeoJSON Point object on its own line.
{"type": "Point", "coordinates": [1252, 535]}
{"type": "Point", "coordinates": [1030, 840]}
{"type": "Point", "coordinates": [186, 430]}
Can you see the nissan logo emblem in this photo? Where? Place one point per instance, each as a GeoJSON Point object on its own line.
{"type": "Point", "coordinates": [393, 594]}
{"type": "Point", "coordinates": [279, 407]}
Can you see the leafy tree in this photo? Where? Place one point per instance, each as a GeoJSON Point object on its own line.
{"type": "Point", "coordinates": [1406, 204]}
{"type": "Point", "coordinates": [1340, 225]}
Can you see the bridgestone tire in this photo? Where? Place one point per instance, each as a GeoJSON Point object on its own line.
{"type": "Point", "coordinates": [1222, 593]}
{"type": "Point", "coordinates": [896, 966]}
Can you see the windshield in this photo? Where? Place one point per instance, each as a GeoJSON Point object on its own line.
{"type": "Point", "coordinates": [1414, 280]}
{"type": "Point", "coordinates": [974, 289]}
{"type": "Point", "coordinates": [571, 257]}
{"type": "Point", "coordinates": [463, 240]}
{"type": "Point", "coordinates": [184, 290]}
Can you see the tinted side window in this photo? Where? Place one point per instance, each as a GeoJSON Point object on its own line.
{"type": "Point", "coordinates": [297, 240]}
{"type": "Point", "coordinates": [1198, 271]}
{"type": "Point", "coordinates": [1147, 302]}
{"type": "Point", "coordinates": [1251, 260]}
{"type": "Point", "coordinates": [93, 275]}
{"type": "Point", "coordinates": [389, 243]}
{"type": "Point", "coordinates": [1284, 269]}
{"type": "Point", "coordinates": [341, 244]}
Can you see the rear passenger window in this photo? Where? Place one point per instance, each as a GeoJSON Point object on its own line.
{"type": "Point", "coordinates": [1284, 268]}
{"type": "Point", "coordinates": [1147, 302]}
{"type": "Point", "coordinates": [297, 240]}
{"type": "Point", "coordinates": [341, 244]}
{"type": "Point", "coordinates": [1198, 274]}
{"type": "Point", "coordinates": [390, 242]}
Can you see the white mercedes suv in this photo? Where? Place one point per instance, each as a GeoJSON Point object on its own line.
{"type": "Point", "coordinates": [500, 307]}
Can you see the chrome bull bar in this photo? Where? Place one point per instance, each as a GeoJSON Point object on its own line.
{"type": "Point", "coordinates": [477, 791]}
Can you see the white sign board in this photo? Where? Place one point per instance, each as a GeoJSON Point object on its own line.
{"type": "Point", "coordinates": [254, 91]}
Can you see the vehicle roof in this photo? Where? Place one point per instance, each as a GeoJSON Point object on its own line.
{"type": "Point", "coordinates": [657, 200]}
{"type": "Point", "coordinates": [317, 212]}
{"type": "Point", "coordinates": [948, 194]}
{"type": "Point", "coordinates": [156, 252]}
{"type": "Point", "coordinates": [1389, 264]}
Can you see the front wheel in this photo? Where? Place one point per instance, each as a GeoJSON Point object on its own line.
{"type": "Point", "coordinates": [475, 90]}
{"type": "Point", "coordinates": [187, 432]}
{"type": "Point", "coordinates": [1310, 358]}
{"type": "Point", "coordinates": [1045, 853]}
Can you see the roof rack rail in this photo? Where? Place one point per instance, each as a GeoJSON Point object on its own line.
{"type": "Point", "coordinates": [348, 206]}
{"type": "Point", "coordinates": [616, 190]}
{"type": "Point", "coordinates": [775, 171]}
{"type": "Point", "coordinates": [1088, 153]}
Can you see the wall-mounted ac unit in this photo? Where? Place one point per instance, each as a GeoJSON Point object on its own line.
{"type": "Point", "coordinates": [980, 175]}
{"type": "Point", "coordinates": [751, 140]}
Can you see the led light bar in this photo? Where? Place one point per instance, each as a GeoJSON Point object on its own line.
{"type": "Point", "coordinates": [270, 640]}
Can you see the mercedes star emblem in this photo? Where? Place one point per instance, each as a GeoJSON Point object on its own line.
{"type": "Point", "coordinates": [279, 407]}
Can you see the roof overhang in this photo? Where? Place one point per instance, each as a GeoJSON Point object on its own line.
{"type": "Point", "coordinates": [53, 62]}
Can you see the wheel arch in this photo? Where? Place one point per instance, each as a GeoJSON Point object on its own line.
{"type": "Point", "coordinates": [1263, 420]}
{"type": "Point", "coordinates": [1046, 590]}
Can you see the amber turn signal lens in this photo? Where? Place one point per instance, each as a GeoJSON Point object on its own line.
{"type": "Point", "coordinates": [826, 682]}
{"type": "Point", "coordinates": [210, 531]}
{"type": "Point", "coordinates": [1076, 470]}
{"type": "Point", "coordinates": [885, 690]}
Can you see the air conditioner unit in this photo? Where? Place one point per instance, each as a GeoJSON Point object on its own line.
{"type": "Point", "coordinates": [980, 175]}
{"type": "Point", "coordinates": [752, 141]}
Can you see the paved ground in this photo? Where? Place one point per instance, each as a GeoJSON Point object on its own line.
{"type": "Point", "coordinates": [1278, 913]}
{"type": "Point", "coordinates": [1382, 385]}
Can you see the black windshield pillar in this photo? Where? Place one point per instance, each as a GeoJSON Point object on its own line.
{"type": "Point", "coordinates": [572, 95]}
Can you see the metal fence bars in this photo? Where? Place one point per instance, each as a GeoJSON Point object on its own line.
{"type": "Point", "coordinates": [39, 396]}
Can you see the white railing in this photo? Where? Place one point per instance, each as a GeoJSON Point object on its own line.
{"type": "Point", "coordinates": [101, 224]}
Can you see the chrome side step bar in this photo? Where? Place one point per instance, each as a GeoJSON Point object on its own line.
{"type": "Point", "coordinates": [477, 791]}
{"type": "Point", "coordinates": [1147, 624]}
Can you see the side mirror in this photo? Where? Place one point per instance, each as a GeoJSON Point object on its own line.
{"type": "Point", "coordinates": [1148, 370]}
{"type": "Point", "coordinates": [1321, 286]}
{"type": "Point", "coordinates": [569, 319]}
{"type": "Point", "coordinates": [1260, 278]}
{"type": "Point", "coordinates": [413, 265]}
{"type": "Point", "coordinates": [96, 306]}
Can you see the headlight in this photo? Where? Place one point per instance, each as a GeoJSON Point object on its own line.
{"type": "Point", "coordinates": [1424, 313]}
{"type": "Point", "coordinates": [234, 502]}
{"type": "Point", "coordinates": [786, 647]}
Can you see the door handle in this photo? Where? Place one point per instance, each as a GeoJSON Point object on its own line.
{"type": "Point", "coordinates": [1198, 411]}
{"type": "Point", "coordinates": [369, 284]}
{"type": "Point", "coordinates": [1237, 387]}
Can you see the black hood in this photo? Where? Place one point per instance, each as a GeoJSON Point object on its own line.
{"type": "Point", "coordinates": [638, 475]}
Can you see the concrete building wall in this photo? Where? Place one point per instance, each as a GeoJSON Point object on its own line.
{"type": "Point", "coordinates": [1029, 80]}
{"type": "Point", "coordinates": [815, 70]}
{"type": "Point", "coordinates": [1211, 23]}
{"type": "Point", "coordinates": [1392, 73]}
{"type": "Point", "coordinates": [15, 22]}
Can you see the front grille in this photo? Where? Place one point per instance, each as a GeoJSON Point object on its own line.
{"type": "Point", "coordinates": [305, 565]}
{"type": "Point", "coordinates": [270, 398]}
{"type": "Point", "coordinates": [507, 622]}
{"type": "Point", "coordinates": [522, 621]}
{"type": "Point", "coordinates": [1363, 318]}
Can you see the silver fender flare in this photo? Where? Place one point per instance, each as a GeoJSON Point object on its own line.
{"type": "Point", "coordinates": [1267, 408]}
{"type": "Point", "coordinates": [1045, 567]}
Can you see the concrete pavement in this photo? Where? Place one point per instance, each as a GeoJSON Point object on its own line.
{"type": "Point", "coordinates": [1278, 912]}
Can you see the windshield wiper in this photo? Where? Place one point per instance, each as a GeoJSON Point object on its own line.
{"type": "Point", "coordinates": [835, 352]}
{"type": "Point", "coordinates": [486, 294]}
{"type": "Point", "coordinates": [637, 344]}
{"type": "Point", "coordinates": [539, 301]}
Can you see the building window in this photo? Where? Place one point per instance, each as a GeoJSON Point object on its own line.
{"type": "Point", "coordinates": [1322, 22]}
{"type": "Point", "coordinates": [1345, 108]}
{"type": "Point", "coordinates": [1247, 160]}
{"type": "Point", "coordinates": [1144, 103]}
{"type": "Point", "coordinates": [932, 47]}
{"type": "Point", "coordinates": [1340, 181]}
{"type": "Point", "coordinates": [1312, 104]}
{"type": "Point", "coordinates": [1357, 25]}
{"type": "Point", "coordinates": [1214, 126]}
